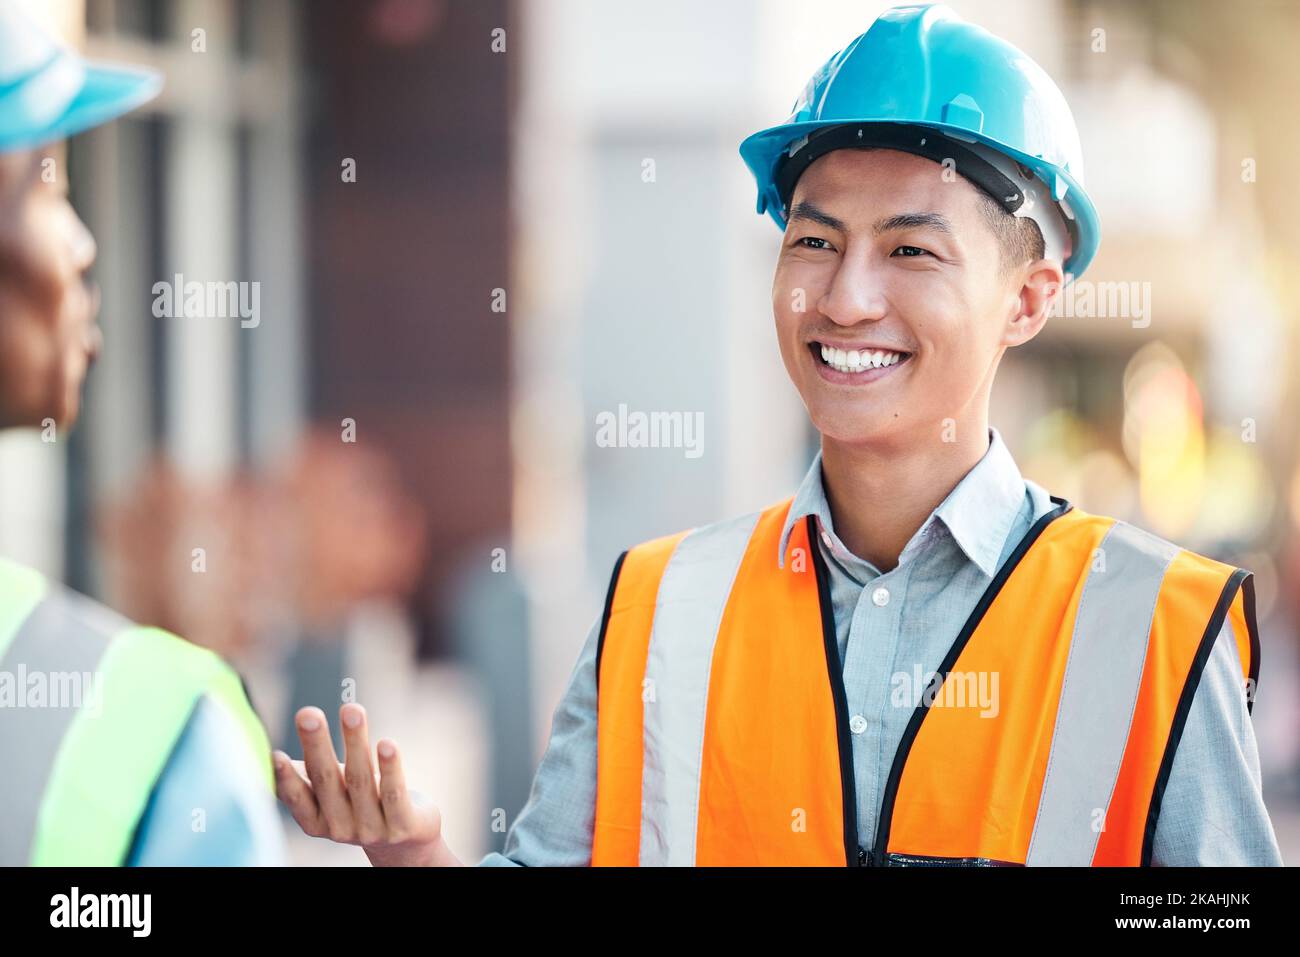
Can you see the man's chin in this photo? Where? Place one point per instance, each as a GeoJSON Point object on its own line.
{"type": "Point", "coordinates": [855, 429]}
{"type": "Point", "coordinates": [852, 432]}
{"type": "Point", "coordinates": [63, 412]}
{"type": "Point", "coordinates": [70, 412]}
{"type": "Point", "coordinates": [73, 391]}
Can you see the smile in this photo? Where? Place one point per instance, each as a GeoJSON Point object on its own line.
{"type": "Point", "coordinates": [853, 365]}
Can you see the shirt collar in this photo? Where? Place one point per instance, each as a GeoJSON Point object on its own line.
{"type": "Point", "coordinates": [979, 512]}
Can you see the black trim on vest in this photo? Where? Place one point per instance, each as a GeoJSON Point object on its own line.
{"type": "Point", "coordinates": [1185, 705]}
{"type": "Point", "coordinates": [835, 668]}
{"type": "Point", "coordinates": [604, 618]}
{"type": "Point", "coordinates": [1252, 627]}
{"type": "Point", "coordinates": [976, 616]}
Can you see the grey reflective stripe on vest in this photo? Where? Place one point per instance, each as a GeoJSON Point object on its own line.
{"type": "Point", "coordinates": [65, 634]}
{"type": "Point", "coordinates": [1103, 674]}
{"type": "Point", "coordinates": [692, 596]}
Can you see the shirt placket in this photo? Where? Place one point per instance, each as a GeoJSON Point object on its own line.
{"type": "Point", "coordinates": [873, 639]}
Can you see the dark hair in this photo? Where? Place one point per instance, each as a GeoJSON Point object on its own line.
{"type": "Point", "coordinates": [1020, 240]}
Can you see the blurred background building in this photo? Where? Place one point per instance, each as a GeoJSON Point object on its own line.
{"type": "Point", "coordinates": [477, 225]}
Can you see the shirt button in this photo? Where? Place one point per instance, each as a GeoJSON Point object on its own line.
{"type": "Point", "coordinates": [857, 724]}
{"type": "Point", "coordinates": [880, 596]}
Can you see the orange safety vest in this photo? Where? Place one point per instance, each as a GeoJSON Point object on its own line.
{"type": "Point", "coordinates": [722, 721]}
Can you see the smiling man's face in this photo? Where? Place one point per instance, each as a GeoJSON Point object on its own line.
{"type": "Point", "coordinates": [892, 260]}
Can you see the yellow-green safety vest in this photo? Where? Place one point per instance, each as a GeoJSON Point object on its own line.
{"type": "Point", "coordinates": [91, 708]}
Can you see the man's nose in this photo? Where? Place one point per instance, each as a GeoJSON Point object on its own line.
{"type": "Point", "coordinates": [856, 294]}
{"type": "Point", "coordinates": [81, 242]}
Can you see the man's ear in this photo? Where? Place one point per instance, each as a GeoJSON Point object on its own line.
{"type": "Point", "coordinates": [1040, 285]}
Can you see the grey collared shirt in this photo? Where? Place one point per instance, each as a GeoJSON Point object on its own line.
{"type": "Point", "coordinates": [905, 620]}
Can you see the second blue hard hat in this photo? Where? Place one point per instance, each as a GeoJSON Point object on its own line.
{"type": "Point", "coordinates": [48, 92]}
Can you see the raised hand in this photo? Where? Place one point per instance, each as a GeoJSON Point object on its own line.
{"type": "Point", "coordinates": [352, 803]}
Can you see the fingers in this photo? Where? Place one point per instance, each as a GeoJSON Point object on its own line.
{"type": "Point", "coordinates": [325, 775]}
{"type": "Point", "coordinates": [359, 776]}
{"type": "Point", "coordinates": [293, 790]}
{"type": "Point", "coordinates": [393, 794]}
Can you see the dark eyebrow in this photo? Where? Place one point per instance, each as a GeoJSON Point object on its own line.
{"type": "Point", "coordinates": [814, 213]}
{"type": "Point", "coordinates": [811, 211]}
{"type": "Point", "coordinates": [912, 221]}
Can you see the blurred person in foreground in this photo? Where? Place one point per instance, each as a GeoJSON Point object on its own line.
{"type": "Point", "coordinates": [119, 744]}
{"type": "Point", "coordinates": [920, 658]}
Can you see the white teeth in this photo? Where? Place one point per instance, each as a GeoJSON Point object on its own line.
{"type": "Point", "coordinates": [855, 360]}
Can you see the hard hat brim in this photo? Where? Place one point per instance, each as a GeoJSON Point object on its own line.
{"type": "Point", "coordinates": [108, 91]}
{"type": "Point", "coordinates": [762, 152]}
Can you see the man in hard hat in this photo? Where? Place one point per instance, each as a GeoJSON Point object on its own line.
{"type": "Point", "coordinates": [919, 658]}
{"type": "Point", "coordinates": [119, 744]}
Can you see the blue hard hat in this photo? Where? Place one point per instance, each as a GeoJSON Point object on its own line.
{"type": "Point", "coordinates": [923, 80]}
{"type": "Point", "coordinates": [48, 92]}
